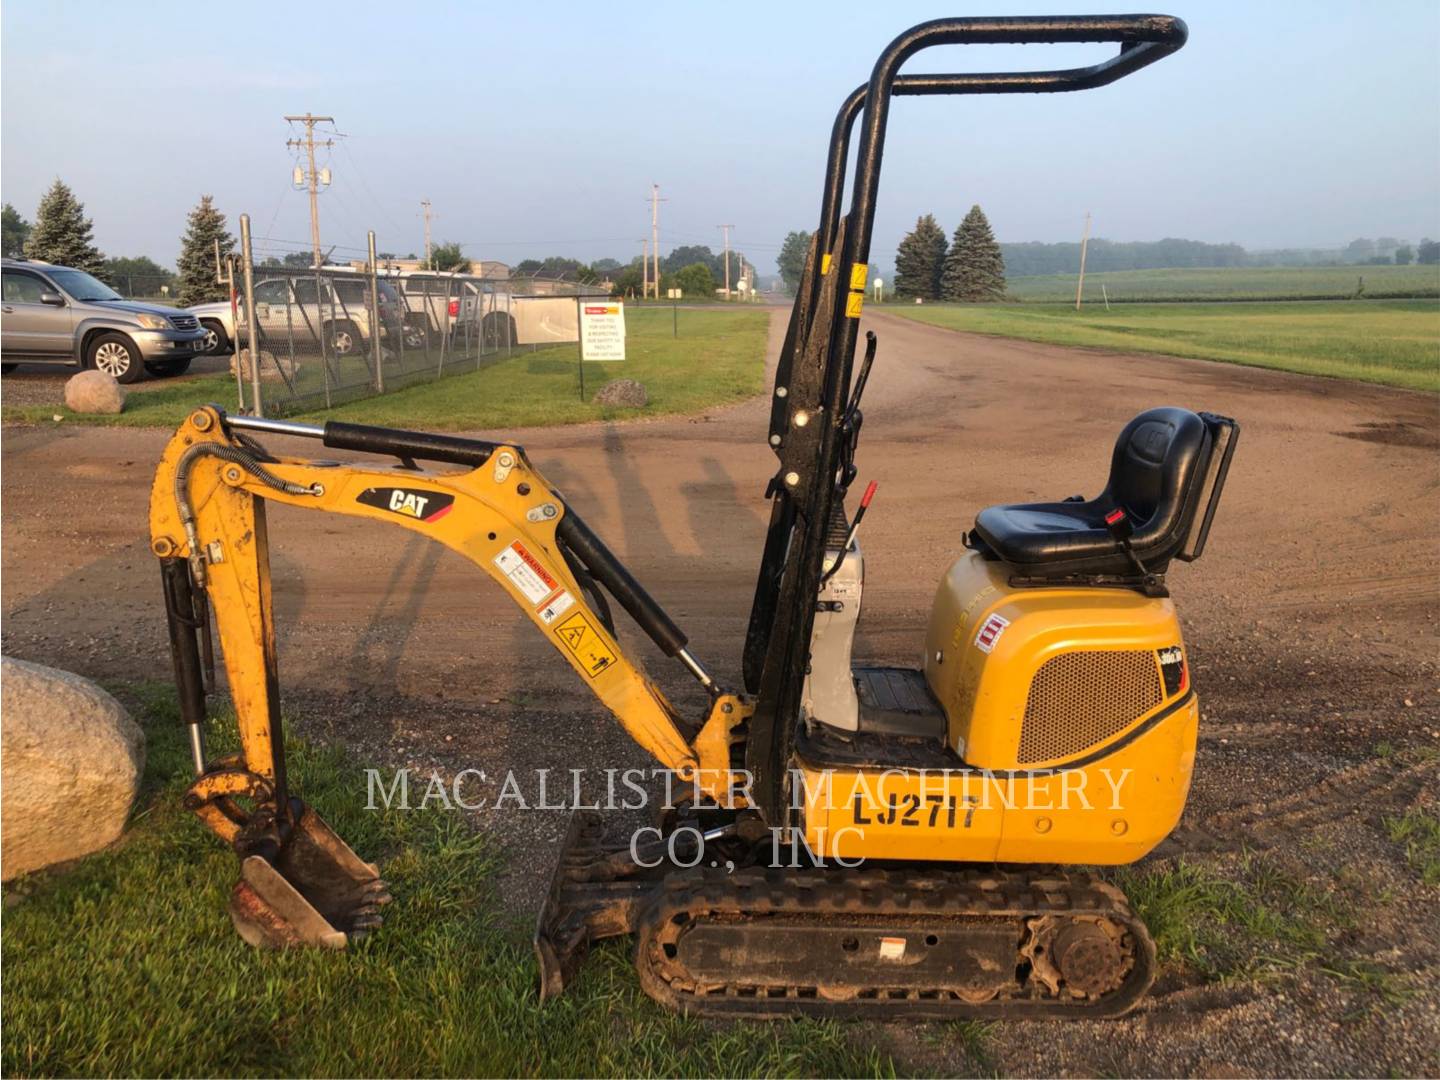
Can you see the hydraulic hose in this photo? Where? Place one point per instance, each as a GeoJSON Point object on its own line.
{"type": "Point", "coordinates": [235, 456]}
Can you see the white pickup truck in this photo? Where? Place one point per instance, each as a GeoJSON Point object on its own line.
{"type": "Point", "coordinates": [470, 310]}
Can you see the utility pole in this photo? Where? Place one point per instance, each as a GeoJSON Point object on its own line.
{"type": "Point", "coordinates": [655, 202]}
{"type": "Point", "coordinates": [1084, 242]}
{"type": "Point", "coordinates": [425, 208]}
{"type": "Point", "coordinates": [311, 176]}
{"type": "Point", "coordinates": [644, 269]}
{"type": "Point", "coordinates": [726, 230]}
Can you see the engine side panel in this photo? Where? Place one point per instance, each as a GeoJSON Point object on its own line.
{"type": "Point", "coordinates": [1071, 733]}
{"type": "Point", "coordinates": [1036, 677]}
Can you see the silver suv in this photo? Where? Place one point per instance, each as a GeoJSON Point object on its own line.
{"type": "Point", "coordinates": [291, 311]}
{"type": "Point", "coordinates": [56, 315]}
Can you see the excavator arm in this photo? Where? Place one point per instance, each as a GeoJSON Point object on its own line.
{"type": "Point", "coordinates": [208, 527]}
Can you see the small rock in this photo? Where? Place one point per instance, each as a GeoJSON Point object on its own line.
{"type": "Point", "coordinates": [623, 393]}
{"type": "Point", "coordinates": [94, 392]}
{"type": "Point", "coordinates": [272, 368]}
{"type": "Point", "coordinates": [71, 759]}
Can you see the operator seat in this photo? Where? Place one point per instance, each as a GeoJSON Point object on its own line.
{"type": "Point", "coordinates": [1168, 464]}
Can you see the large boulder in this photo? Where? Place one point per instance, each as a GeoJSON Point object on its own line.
{"type": "Point", "coordinates": [94, 392]}
{"type": "Point", "coordinates": [70, 763]}
{"type": "Point", "coordinates": [622, 394]}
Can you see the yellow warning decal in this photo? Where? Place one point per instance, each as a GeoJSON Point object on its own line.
{"type": "Point", "coordinates": [587, 645]}
{"type": "Point", "coordinates": [824, 264]}
{"type": "Point", "coordinates": [859, 273]}
{"type": "Point", "coordinates": [854, 303]}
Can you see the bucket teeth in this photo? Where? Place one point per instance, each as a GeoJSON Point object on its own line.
{"type": "Point", "coordinates": [316, 892]}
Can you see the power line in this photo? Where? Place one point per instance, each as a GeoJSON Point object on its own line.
{"type": "Point", "coordinates": [365, 185]}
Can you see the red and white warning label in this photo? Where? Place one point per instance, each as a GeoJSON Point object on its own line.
{"type": "Point", "coordinates": [990, 632]}
{"type": "Point", "coordinates": [526, 573]}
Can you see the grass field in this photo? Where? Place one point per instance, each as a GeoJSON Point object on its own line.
{"type": "Point", "coordinates": [127, 964]}
{"type": "Point", "coordinates": [1395, 342]}
{"type": "Point", "coordinates": [719, 357]}
{"type": "Point", "coordinates": [1234, 283]}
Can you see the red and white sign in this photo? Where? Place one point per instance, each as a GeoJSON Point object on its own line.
{"type": "Point", "coordinates": [990, 632]}
{"type": "Point", "coordinates": [526, 573]}
{"type": "Point", "coordinates": [602, 330]}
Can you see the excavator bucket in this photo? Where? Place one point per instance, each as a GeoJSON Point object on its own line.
{"type": "Point", "coordinates": [316, 892]}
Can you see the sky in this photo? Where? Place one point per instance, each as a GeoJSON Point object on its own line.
{"type": "Point", "coordinates": [537, 129]}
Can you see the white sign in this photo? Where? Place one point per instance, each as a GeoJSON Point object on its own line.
{"type": "Point", "coordinates": [602, 330]}
{"type": "Point", "coordinates": [675, 294]}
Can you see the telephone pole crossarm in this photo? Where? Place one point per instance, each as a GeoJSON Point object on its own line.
{"type": "Point", "coordinates": [312, 178]}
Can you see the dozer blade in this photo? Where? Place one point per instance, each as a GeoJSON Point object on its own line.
{"type": "Point", "coordinates": [316, 892]}
{"type": "Point", "coordinates": [594, 894]}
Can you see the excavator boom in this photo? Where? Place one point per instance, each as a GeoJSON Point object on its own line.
{"type": "Point", "coordinates": [208, 527]}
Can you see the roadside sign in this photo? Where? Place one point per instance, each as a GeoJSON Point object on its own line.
{"type": "Point", "coordinates": [674, 294]}
{"type": "Point", "coordinates": [602, 330]}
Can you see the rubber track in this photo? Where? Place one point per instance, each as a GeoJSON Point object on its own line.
{"type": "Point", "coordinates": [692, 896]}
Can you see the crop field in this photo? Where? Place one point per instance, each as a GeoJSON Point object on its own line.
{"type": "Point", "coordinates": [1234, 283]}
{"type": "Point", "coordinates": [1394, 342]}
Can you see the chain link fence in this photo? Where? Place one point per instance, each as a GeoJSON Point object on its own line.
{"type": "Point", "coordinates": [337, 333]}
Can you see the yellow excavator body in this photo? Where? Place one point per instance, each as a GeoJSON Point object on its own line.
{"type": "Point", "coordinates": [861, 839]}
{"type": "Point", "coordinates": [1072, 721]}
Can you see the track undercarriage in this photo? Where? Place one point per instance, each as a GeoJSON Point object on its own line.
{"type": "Point", "coordinates": [746, 939]}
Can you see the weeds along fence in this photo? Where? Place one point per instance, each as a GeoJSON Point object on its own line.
{"type": "Point", "coordinates": [331, 334]}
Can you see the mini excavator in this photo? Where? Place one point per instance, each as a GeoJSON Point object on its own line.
{"type": "Point", "coordinates": [886, 842]}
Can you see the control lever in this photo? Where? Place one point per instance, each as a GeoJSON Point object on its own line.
{"type": "Point", "coordinates": [864, 376]}
{"type": "Point", "coordinates": [852, 418]}
{"type": "Point", "coordinates": [854, 528]}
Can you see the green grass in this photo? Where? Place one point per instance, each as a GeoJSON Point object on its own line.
{"type": "Point", "coordinates": [127, 964]}
{"type": "Point", "coordinates": [1233, 283]}
{"type": "Point", "coordinates": [1256, 922]}
{"type": "Point", "coordinates": [718, 358]}
{"type": "Point", "coordinates": [1418, 834]}
{"type": "Point", "coordinates": [1396, 342]}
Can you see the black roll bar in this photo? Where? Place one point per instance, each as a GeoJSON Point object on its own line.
{"type": "Point", "coordinates": [781, 619]}
{"type": "Point", "coordinates": [1144, 40]}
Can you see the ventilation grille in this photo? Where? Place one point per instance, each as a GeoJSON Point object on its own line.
{"type": "Point", "coordinates": [1079, 699]}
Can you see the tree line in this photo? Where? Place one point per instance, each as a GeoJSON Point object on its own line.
{"type": "Point", "coordinates": [1025, 260]}
{"type": "Point", "coordinates": [925, 249]}
{"type": "Point", "coordinates": [63, 235]}
{"type": "Point", "coordinates": [694, 269]}
{"type": "Point", "coordinates": [927, 265]}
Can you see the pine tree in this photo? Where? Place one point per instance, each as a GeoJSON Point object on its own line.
{"type": "Point", "coordinates": [920, 260]}
{"type": "Point", "coordinates": [975, 268]}
{"type": "Point", "coordinates": [16, 229]}
{"type": "Point", "coordinates": [197, 253]}
{"type": "Point", "coordinates": [62, 234]}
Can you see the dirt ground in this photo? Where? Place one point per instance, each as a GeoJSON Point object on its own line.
{"type": "Point", "coordinates": [1311, 624]}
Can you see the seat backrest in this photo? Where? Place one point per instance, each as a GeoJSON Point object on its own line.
{"type": "Point", "coordinates": [1224, 434]}
{"type": "Point", "coordinates": [1156, 474]}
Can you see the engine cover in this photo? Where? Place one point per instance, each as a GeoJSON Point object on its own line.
{"type": "Point", "coordinates": [1042, 677]}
